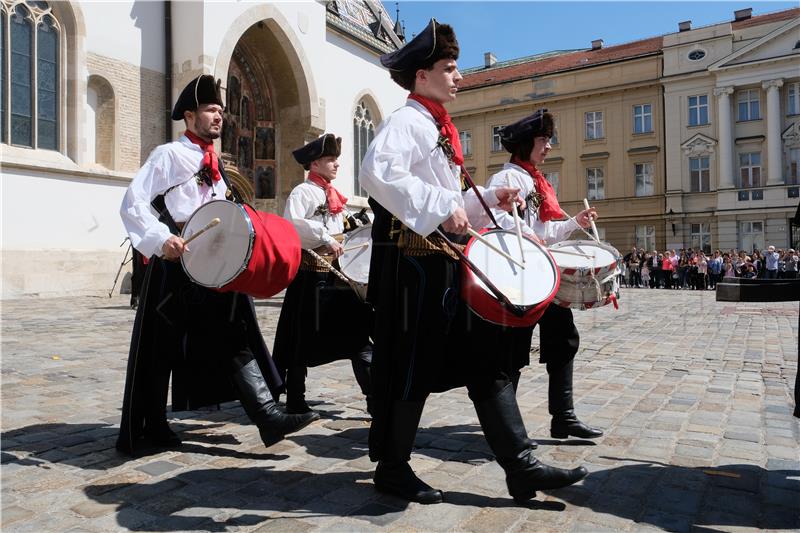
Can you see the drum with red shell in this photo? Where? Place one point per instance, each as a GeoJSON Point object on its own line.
{"type": "Point", "coordinates": [249, 251]}
{"type": "Point", "coordinates": [530, 290]}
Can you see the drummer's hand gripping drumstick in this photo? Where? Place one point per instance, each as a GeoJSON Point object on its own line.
{"type": "Point", "coordinates": [591, 220]}
{"type": "Point", "coordinates": [207, 227]}
{"type": "Point", "coordinates": [492, 247]}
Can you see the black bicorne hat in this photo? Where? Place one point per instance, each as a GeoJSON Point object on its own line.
{"type": "Point", "coordinates": [201, 90]}
{"type": "Point", "coordinates": [328, 144]}
{"type": "Point", "coordinates": [539, 124]}
{"type": "Point", "coordinates": [434, 39]}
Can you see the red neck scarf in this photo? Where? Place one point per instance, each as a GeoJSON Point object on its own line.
{"type": "Point", "coordinates": [549, 209]}
{"type": "Point", "coordinates": [210, 160]}
{"type": "Point", "coordinates": [445, 123]}
{"type": "Point", "coordinates": [335, 199]}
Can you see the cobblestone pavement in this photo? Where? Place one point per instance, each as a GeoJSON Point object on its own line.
{"type": "Point", "coordinates": [695, 397]}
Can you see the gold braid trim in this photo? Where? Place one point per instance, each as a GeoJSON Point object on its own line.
{"type": "Point", "coordinates": [311, 263]}
{"type": "Point", "coordinates": [415, 245]}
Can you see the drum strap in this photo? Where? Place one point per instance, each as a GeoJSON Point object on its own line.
{"type": "Point", "coordinates": [159, 203]}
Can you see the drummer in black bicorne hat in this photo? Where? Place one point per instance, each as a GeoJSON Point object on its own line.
{"type": "Point", "coordinates": [423, 337]}
{"type": "Point", "coordinates": [528, 142]}
{"type": "Point", "coordinates": [322, 319]}
{"type": "Point", "coordinates": [209, 341]}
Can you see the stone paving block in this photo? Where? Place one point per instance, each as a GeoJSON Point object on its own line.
{"type": "Point", "coordinates": [157, 468]}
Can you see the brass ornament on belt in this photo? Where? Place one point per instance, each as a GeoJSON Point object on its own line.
{"type": "Point", "coordinates": [534, 200]}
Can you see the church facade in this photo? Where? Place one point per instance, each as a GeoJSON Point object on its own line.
{"type": "Point", "coordinates": [87, 88]}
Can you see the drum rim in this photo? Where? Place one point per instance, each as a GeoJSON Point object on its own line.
{"type": "Point", "coordinates": [580, 271]}
{"type": "Point", "coordinates": [247, 255]}
{"type": "Point", "coordinates": [553, 264]}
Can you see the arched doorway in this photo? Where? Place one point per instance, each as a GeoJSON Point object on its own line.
{"type": "Point", "coordinates": [248, 137]}
{"type": "Point", "coordinates": [271, 104]}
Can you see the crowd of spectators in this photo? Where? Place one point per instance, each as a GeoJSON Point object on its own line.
{"type": "Point", "coordinates": [693, 269]}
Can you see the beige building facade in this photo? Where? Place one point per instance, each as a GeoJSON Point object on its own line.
{"type": "Point", "coordinates": [638, 131]}
{"type": "Point", "coordinates": [732, 92]}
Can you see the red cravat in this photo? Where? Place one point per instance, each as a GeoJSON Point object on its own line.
{"type": "Point", "coordinates": [210, 160]}
{"type": "Point", "coordinates": [445, 123]}
{"type": "Point", "coordinates": [336, 200]}
{"type": "Point", "coordinates": [549, 210]}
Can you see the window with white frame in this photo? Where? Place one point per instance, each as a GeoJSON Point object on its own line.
{"type": "Point", "coordinates": [642, 118]}
{"type": "Point", "coordinates": [595, 186]}
{"type": "Point", "coordinates": [750, 170]}
{"type": "Point", "coordinates": [751, 235]}
{"type": "Point", "coordinates": [699, 174]}
{"type": "Point", "coordinates": [698, 110]}
{"type": "Point", "coordinates": [594, 125]}
{"type": "Point", "coordinates": [700, 236]}
{"type": "Point", "coordinates": [749, 105]}
{"type": "Point", "coordinates": [643, 173]}
{"type": "Point", "coordinates": [552, 179]}
{"type": "Point", "coordinates": [363, 133]}
{"type": "Point", "coordinates": [30, 96]}
{"type": "Point", "coordinates": [497, 146]}
{"type": "Point", "coordinates": [792, 163]}
{"type": "Point", "coordinates": [466, 142]}
{"type": "Point", "coordinates": [646, 237]}
{"type": "Point", "coordinates": [793, 99]}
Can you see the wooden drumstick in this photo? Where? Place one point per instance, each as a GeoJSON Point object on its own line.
{"type": "Point", "coordinates": [591, 220]}
{"type": "Point", "coordinates": [356, 247]}
{"type": "Point", "coordinates": [558, 251]}
{"type": "Point", "coordinates": [494, 248]}
{"type": "Point", "coordinates": [519, 232]}
{"type": "Point", "coordinates": [208, 226]}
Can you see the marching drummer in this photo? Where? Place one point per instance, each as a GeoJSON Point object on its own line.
{"type": "Point", "coordinates": [206, 339]}
{"type": "Point", "coordinates": [528, 142]}
{"type": "Point", "coordinates": [321, 320]}
{"type": "Point", "coordinates": [412, 171]}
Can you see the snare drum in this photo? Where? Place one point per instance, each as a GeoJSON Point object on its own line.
{"type": "Point", "coordinates": [587, 282]}
{"type": "Point", "coordinates": [249, 251]}
{"type": "Point", "coordinates": [354, 262]}
{"type": "Point", "coordinates": [531, 289]}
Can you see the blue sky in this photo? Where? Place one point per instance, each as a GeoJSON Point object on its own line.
{"type": "Point", "coordinates": [516, 29]}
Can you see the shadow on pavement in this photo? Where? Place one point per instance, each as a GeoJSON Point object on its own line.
{"type": "Point", "coordinates": [678, 498]}
{"type": "Point", "coordinates": [92, 446]}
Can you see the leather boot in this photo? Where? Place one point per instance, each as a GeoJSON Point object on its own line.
{"type": "Point", "coordinates": [296, 391]}
{"type": "Point", "coordinates": [514, 376]}
{"type": "Point", "coordinates": [393, 474]}
{"type": "Point", "coordinates": [361, 370]}
{"type": "Point", "coordinates": [559, 396]}
{"type": "Point", "coordinates": [273, 424]}
{"type": "Point", "coordinates": [505, 432]}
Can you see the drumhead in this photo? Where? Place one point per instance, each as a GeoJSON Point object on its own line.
{"type": "Point", "coordinates": [604, 256]}
{"type": "Point", "coordinates": [222, 252]}
{"type": "Point", "coordinates": [354, 262]}
{"type": "Point", "coordinates": [526, 287]}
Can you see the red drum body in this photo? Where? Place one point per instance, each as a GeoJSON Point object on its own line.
{"type": "Point", "coordinates": [249, 251]}
{"type": "Point", "coordinates": [587, 282]}
{"type": "Point", "coordinates": [531, 289]}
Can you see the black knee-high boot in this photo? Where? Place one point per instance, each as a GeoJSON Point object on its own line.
{"type": "Point", "coordinates": [156, 428]}
{"type": "Point", "coordinates": [361, 370]}
{"type": "Point", "coordinates": [561, 407]}
{"type": "Point", "coordinates": [513, 377]}
{"type": "Point", "coordinates": [273, 424]}
{"type": "Point", "coordinates": [393, 474]}
{"type": "Point", "coordinates": [296, 391]}
{"type": "Point", "coordinates": [505, 432]}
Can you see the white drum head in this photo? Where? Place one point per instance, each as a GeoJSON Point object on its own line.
{"type": "Point", "coordinates": [220, 254]}
{"type": "Point", "coordinates": [354, 262]}
{"type": "Point", "coordinates": [525, 287]}
{"type": "Point", "coordinates": [602, 255]}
